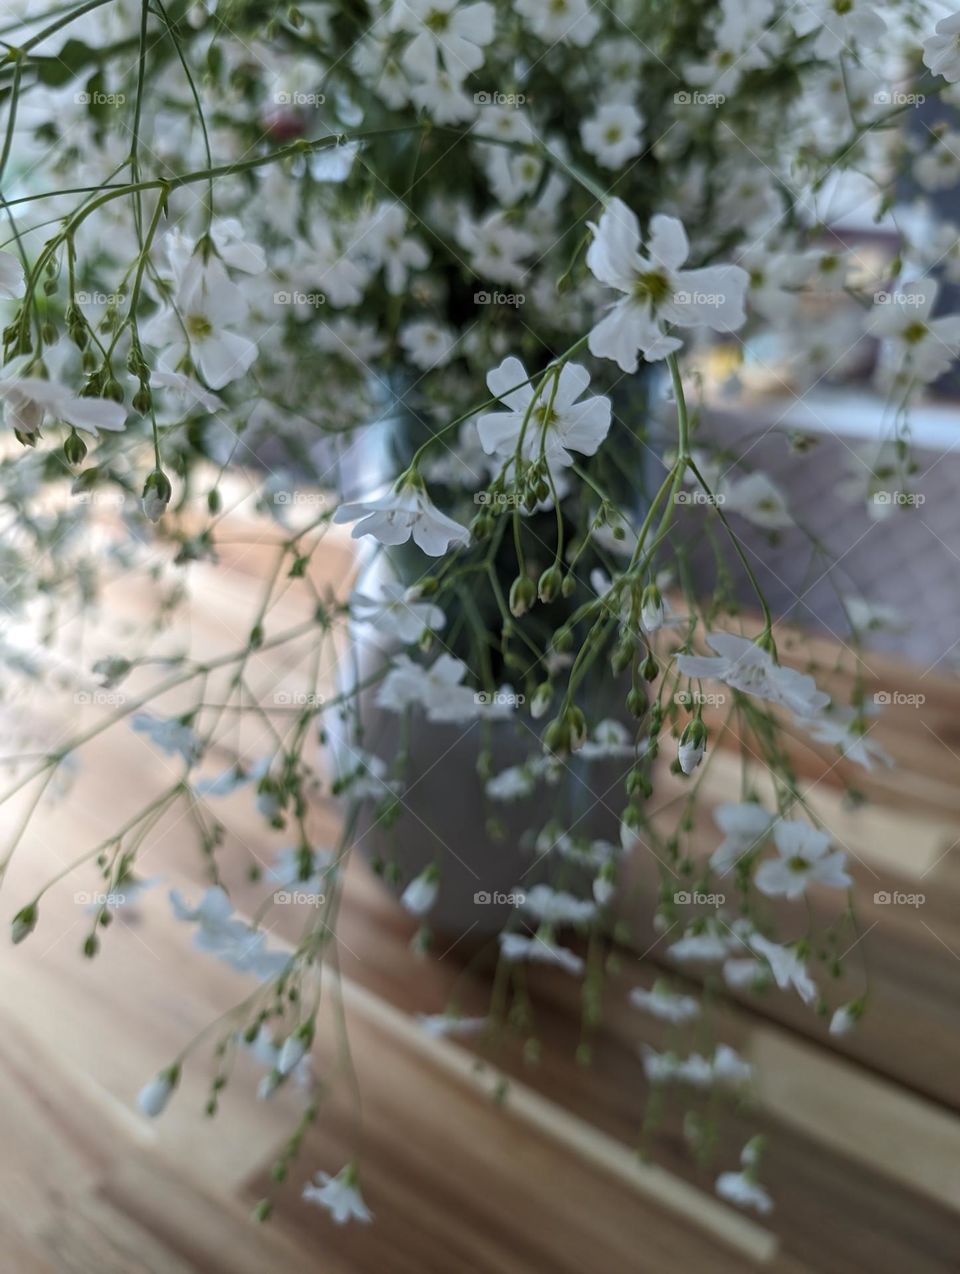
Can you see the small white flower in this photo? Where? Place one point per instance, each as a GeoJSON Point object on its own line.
{"type": "Point", "coordinates": [447, 36]}
{"type": "Point", "coordinates": [786, 966]}
{"type": "Point", "coordinates": [13, 282]}
{"type": "Point", "coordinates": [340, 1195]}
{"type": "Point", "coordinates": [170, 735]}
{"type": "Point", "coordinates": [941, 52]}
{"type": "Point", "coordinates": [758, 499]}
{"type": "Point", "coordinates": [440, 1025]}
{"type": "Point", "coordinates": [609, 738]}
{"type": "Point", "coordinates": [437, 689]}
{"type": "Point", "coordinates": [663, 1003]}
{"type": "Point", "coordinates": [746, 667]}
{"type": "Point", "coordinates": [496, 247]}
{"type": "Point", "coordinates": [421, 893]}
{"type": "Point", "coordinates": [845, 1018]}
{"type": "Point", "coordinates": [511, 784]}
{"type": "Point", "coordinates": [612, 134]}
{"type": "Point", "coordinates": [386, 242]}
{"type": "Point", "coordinates": [395, 517]}
{"type": "Point", "coordinates": [555, 418]}
{"type": "Point", "coordinates": [838, 26]}
{"type": "Point", "coordinates": [803, 859]}
{"type": "Point", "coordinates": [741, 1189]}
{"type": "Point", "coordinates": [656, 291]}
{"type": "Point", "coordinates": [846, 730]}
{"type": "Point", "coordinates": [515, 948]}
{"type": "Point", "coordinates": [573, 21]}
{"type": "Point", "coordinates": [919, 346]}
{"type": "Point", "coordinates": [206, 307]}
{"type": "Point", "coordinates": [397, 613]}
{"type": "Point", "coordinates": [690, 755]}
{"type": "Point", "coordinates": [428, 344]}
{"type": "Point", "coordinates": [554, 907]}
{"type": "Point", "coordinates": [28, 401]}
{"type": "Point", "coordinates": [153, 1097]}
{"type": "Point", "coordinates": [745, 826]}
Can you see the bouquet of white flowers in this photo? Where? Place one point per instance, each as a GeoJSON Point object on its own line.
{"type": "Point", "coordinates": [462, 276]}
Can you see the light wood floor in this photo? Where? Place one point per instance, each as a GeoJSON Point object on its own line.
{"type": "Point", "coordinates": [864, 1157]}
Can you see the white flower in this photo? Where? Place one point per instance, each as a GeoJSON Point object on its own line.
{"type": "Point", "coordinates": [293, 1051]}
{"type": "Point", "coordinates": [690, 754]}
{"type": "Point", "coordinates": [447, 36]}
{"type": "Point", "coordinates": [745, 666]}
{"type": "Point", "coordinates": [655, 289]}
{"type": "Point", "coordinates": [938, 168]}
{"type": "Point", "coordinates": [386, 241]}
{"type": "Point", "coordinates": [726, 1067]}
{"type": "Point", "coordinates": [845, 1018]}
{"type": "Point", "coordinates": [556, 21]}
{"type": "Point", "coordinates": [206, 306]}
{"type": "Point", "coordinates": [188, 390]}
{"type": "Point", "coordinates": [741, 1189]}
{"type": "Point", "coordinates": [397, 613]}
{"type": "Point", "coordinates": [838, 25]}
{"type": "Point", "coordinates": [709, 946]}
{"type": "Point", "coordinates": [339, 278]}
{"type": "Point", "coordinates": [495, 246]}
{"type": "Point", "coordinates": [558, 418]}
{"type": "Point", "coordinates": [394, 517]}
{"type": "Point", "coordinates": [610, 738]}
{"type": "Point", "coordinates": [941, 52]}
{"type": "Point", "coordinates": [340, 1195]}
{"type": "Point", "coordinates": [13, 282]}
{"type": "Point", "coordinates": [436, 689]}
{"type": "Point", "coordinates": [786, 966]}
{"type": "Point", "coordinates": [516, 948]}
{"type": "Point", "coordinates": [228, 938]}
{"type": "Point", "coordinates": [746, 974]}
{"type": "Point", "coordinates": [612, 134]}
{"type": "Point", "coordinates": [153, 1097]}
{"type": "Point", "coordinates": [444, 100]}
{"type": "Point", "coordinates": [421, 893]}
{"type": "Point", "coordinates": [729, 1067]}
{"type": "Point", "coordinates": [511, 784]}
{"type": "Point", "coordinates": [867, 616]}
{"type": "Point", "coordinates": [846, 730]}
{"type": "Point", "coordinates": [440, 1025]}
{"type": "Point", "coordinates": [758, 499]}
{"type": "Point", "coordinates": [303, 867]}
{"type": "Point", "coordinates": [428, 344]}
{"type": "Point", "coordinates": [28, 401]}
{"type": "Point", "coordinates": [921, 347]}
{"type": "Point", "coordinates": [554, 907]}
{"type": "Point", "coordinates": [744, 827]}
{"type": "Point", "coordinates": [803, 858]}
{"type": "Point", "coordinates": [663, 1003]}
{"type": "Point", "coordinates": [170, 735]}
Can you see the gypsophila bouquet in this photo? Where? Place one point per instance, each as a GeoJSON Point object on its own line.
{"type": "Point", "coordinates": [520, 244]}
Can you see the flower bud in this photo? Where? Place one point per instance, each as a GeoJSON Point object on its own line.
{"type": "Point", "coordinates": [523, 594]}
{"type": "Point", "coordinates": [541, 700]}
{"type": "Point", "coordinates": [74, 448]}
{"type": "Point", "coordinates": [24, 922]}
{"type": "Point", "coordinates": [693, 744]}
{"type": "Point", "coordinates": [156, 495]}
{"type": "Point", "coordinates": [550, 583]}
{"type": "Point", "coordinates": [651, 609]}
